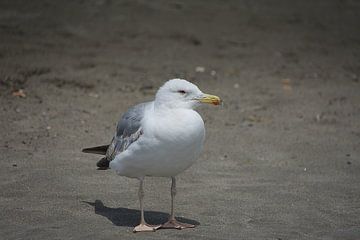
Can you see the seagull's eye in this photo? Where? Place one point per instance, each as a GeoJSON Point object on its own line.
{"type": "Point", "coordinates": [181, 92]}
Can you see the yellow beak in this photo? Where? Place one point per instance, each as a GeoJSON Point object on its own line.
{"type": "Point", "coordinates": [212, 99]}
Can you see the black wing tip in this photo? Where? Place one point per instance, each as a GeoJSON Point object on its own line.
{"type": "Point", "coordinates": [103, 164]}
{"type": "Point", "coordinates": [88, 150]}
{"type": "Point", "coordinates": [96, 150]}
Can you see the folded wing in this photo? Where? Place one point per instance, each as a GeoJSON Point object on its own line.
{"type": "Point", "coordinates": [128, 130]}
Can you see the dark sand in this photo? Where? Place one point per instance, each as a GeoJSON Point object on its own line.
{"type": "Point", "coordinates": [281, 158]}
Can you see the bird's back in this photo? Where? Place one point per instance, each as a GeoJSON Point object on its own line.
{"type": "Point", "coordinates": [171, 142]}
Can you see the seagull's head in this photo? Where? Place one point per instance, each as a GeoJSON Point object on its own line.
{"type": "Point", "coordinates": [179, 93]}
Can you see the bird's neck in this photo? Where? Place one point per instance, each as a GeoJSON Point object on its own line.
{"type": "Point", "coordinates": [163, 108]}
{"type": "Point", "coordinates": [160, 105]}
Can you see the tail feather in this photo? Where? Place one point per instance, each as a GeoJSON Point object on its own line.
{"type": "Point", "coordinates": [97, 150]}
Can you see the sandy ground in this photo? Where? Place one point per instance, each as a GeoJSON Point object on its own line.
{"type": "Point", "coordinates": [281, 158]}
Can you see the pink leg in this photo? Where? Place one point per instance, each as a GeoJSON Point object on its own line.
{"type": "Point", "coordinates": [143, 226]}
{"type": "Point", "coordinates": [172, 223]}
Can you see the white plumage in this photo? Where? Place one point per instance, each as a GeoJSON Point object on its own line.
{"type": "Point", "coordinates": [161, 138]}
{"type": "Point", "coordinates": [171, 141]}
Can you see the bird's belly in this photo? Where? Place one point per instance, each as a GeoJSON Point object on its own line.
{"type": "Point", "coordinates": [163, 155]}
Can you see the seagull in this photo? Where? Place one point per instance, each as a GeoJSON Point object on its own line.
{"type": "Point", "coordinates": [161, 138]}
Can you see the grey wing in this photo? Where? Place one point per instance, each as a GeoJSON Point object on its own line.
{"type": "Point", "coordinates": [128, 131]}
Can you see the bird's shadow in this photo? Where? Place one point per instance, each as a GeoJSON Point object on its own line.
{"type": "Point", "coordinates": [131, 217]}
